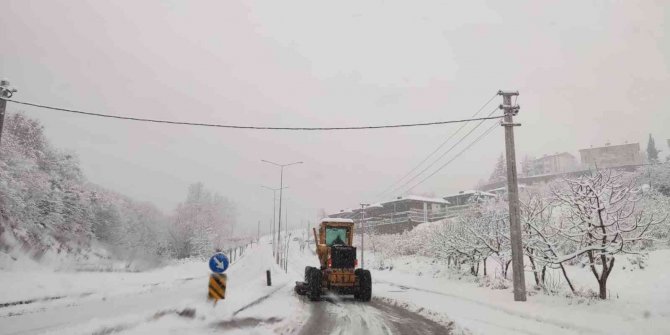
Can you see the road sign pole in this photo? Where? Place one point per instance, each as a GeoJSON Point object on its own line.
{"type": "Point", "coordinates": [218, 264]}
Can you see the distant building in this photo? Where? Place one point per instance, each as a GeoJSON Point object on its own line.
{"type": "Point", "coordinates": [550, 164]}
{"type": "Point", "coordinates": [398, 215]}
{"type": "Point", "coordinates": [611, 156]}
{"type": "Point", "coordinates": [466, 198]}
{"type": "Point", "coordinates": [501, 192]}
{"type": "Point", "coordinates": [342, 214]}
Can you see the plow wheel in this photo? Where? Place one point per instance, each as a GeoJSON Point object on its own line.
{"type": "Point", "coordinates": [314, 284]}
{"type": "Point", "coordinates": [364, 285]}
{"type": "Point", "coordinates": [308, 269]}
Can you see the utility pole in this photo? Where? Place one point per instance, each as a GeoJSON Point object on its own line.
{"type": "Point", "coordinates": [363, 235]}
{"type": "Point", "coordinates": [519, 278]}
{"type": "Point", "coordinates": [281, 187]}
{"type": "Point", "coordinates": [3, 105]}
{"type": "Point", "coordinates": [6, 92]}
{"type": "Point", "coordinates": [393, 218]}
{"type": "Point", "coordinates": [258, 234]}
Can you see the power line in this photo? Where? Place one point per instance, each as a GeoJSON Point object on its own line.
{"type": "Point", "coordinates": [129, 118]}
{"type": "Point", "coordinates": [480, 137]}
{"type": "Point", "coordinates": [444, 153]}
{"type": "Point", "coordinates": [438, 147]}
{"type": "Point", "coordinates": [484, 134]}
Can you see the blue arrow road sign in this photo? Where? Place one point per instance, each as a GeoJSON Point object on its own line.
{"type": "Point", "coordinates": [218, 263]}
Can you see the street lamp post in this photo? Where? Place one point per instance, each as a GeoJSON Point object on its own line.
{"type": "Point", "coordinates": [274, 214]}
{"type": "Point", "coordinates": [281, 186]}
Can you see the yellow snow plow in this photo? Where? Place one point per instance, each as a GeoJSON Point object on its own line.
{"type": "Point", "coordinates": [337, 269]}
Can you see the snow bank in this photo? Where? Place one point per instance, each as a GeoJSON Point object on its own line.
{"type": "Point", "coordinates": [170, 299]}
{"type": "Point", "coordinates": [641, 302]}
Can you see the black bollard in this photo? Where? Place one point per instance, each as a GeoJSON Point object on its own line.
{"type": "Point", "coordinates": [267, 275]}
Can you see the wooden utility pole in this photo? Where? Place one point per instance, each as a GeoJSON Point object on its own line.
{"type": "Point", "coordinates": [6, 92]}
{"type": "Point", "coordinates": [518, 277]}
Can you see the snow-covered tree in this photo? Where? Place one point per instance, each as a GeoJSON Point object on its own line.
{"type": "Point", "coordinates": [476, 234]}
{"type": "Point", "coordinates": [46, 204]}
{"type": "Point", "coordinates": [656, 176]}
{"type": "Point", "coordinates": [600, 217]}
{"type": "Point", "coordinates": [500, 171]}
{"type": "Point", "coordinates": [542, 244]}
{"type": "Point", "coordinates": [202, 223]}
{"type": "Point", "coordinates": [652, 152]}
{"type": "Point", "coordinates": [527, 167]}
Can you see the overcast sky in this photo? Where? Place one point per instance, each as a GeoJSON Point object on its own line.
{"type": "Point", "coordinates": [588, 72]}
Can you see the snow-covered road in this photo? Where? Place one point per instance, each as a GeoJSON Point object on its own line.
{"type": "Point", "coordinates": [173, 300]}
{"type": "Point", "coordinates": [340, 315]}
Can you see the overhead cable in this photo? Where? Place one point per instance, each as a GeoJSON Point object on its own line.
{"type": "Point", "coordinates": [186, 123]}
{"type": "Point", "coordinates": [443, 154]}
{"type": "Point", "coordinates": [480, 137]}
{"type": "Point", "coordinates": [439, 147]}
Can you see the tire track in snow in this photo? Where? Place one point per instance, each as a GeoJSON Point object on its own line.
{"type": "Point", "coordinates": [259, 300]}
{"type": "Point", "coordinates": [343, 315]}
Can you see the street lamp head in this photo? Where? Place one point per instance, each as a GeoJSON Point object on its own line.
{"type": "Point", "coordinates": [274, 189]}
{"type": "Point", "coordinates": [280, 165]}
{"type": "Point", "coordinates": [294, 163]}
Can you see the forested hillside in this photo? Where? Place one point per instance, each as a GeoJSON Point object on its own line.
{"type": "Point", "coordinates": [47, 206]}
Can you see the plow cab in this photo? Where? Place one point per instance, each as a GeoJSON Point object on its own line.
{"type": "Point", "coordinates": [337, 264]}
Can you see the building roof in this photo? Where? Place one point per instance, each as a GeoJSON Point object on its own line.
{"type": "Point", "coordinates": [337, 220]}
{"type": "Point", "coordinates": [555, 155]}
{"type": "Point", "coordinates": [637, 145]}
{"type": "Point", "coordinates": [419, 198]}
{"type": "Point", "coordinates": [504, 188]}
{"type": "Point", "coordinates": [470, 192]}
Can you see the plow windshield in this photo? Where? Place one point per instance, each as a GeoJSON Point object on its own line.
{"type": "Point", "coordinates": [336, 236]}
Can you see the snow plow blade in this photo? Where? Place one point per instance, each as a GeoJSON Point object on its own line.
{"type": "Point", "coordinates": [301, 287]}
